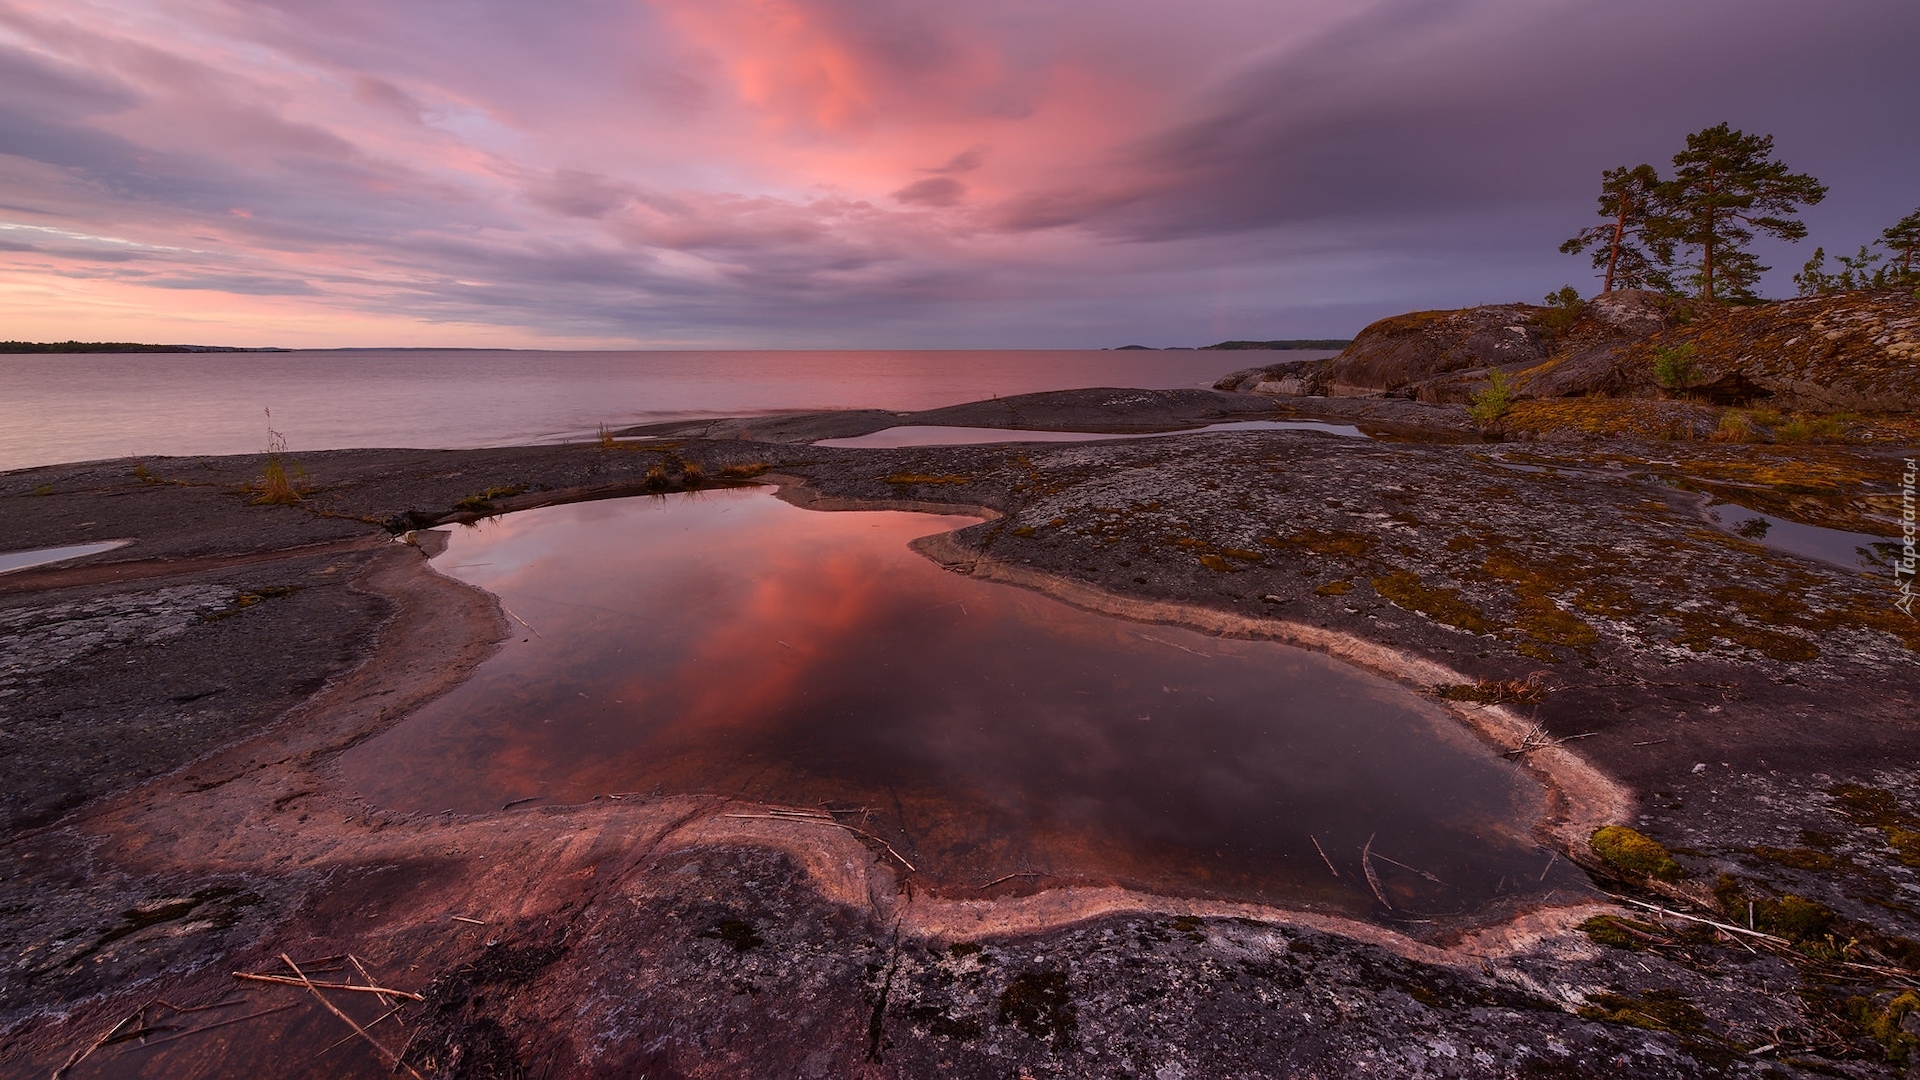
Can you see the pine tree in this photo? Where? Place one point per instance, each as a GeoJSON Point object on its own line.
{"type": "Point", "coordinates": [1630, 201]}
{"type": "Point", "coordinates": [1725, 186]}
{"type": "Point", "coordinates": [1902, 238]}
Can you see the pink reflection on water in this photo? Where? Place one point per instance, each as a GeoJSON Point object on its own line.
{"type": "Point", "coordinates": [730, 643]}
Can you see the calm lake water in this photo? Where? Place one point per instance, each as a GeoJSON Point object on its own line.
{"type": "Point", "coordinates": [730, 643]}
{"type": "Point", "coordinates": [83, 407]}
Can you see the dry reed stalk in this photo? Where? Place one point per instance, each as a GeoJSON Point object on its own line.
{"type": "Point", "coordinates": [1323, 853]}
{"type": "Point", "coordinates": [1373, 879]}
{"type": "Point", "coordinates": [303, 981]}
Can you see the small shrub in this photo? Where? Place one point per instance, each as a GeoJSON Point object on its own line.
{"type": "Point", "coordinates": [1673, 366]}
{"type": "Point", "coordinates": [1564, 308]}
{"type": "Point", "coordinates": [1492, 402]}
{"type": "Point", "coordinates": [1635, 852]}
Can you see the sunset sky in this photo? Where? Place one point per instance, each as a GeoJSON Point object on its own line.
{"type": "Point", "coordinates": [879, 173]}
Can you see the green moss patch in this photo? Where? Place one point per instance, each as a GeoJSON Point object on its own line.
{"type": "Point", "coordinates": [1656, 1010]}
{"type": "Point", "coordinates": [1879, 809]}
{"type": "Point", "coordinates": [1634, 852]}
{"type": "Point", "coordinates": [1440, 604]}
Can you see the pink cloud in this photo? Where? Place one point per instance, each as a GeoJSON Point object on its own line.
{"type": "Point", "coordinates": [891, 172]}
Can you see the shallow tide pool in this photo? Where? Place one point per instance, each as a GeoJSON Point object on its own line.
{"type": "Point", "coordinates": [941, 435]}
{"type": "Point", "coordinates": [730, 643]}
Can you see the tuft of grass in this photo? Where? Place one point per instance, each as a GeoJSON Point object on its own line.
{"type": "Point", "coordinates": [43, 489]}
{"type": "Point", "coordinates": [1818, 429]}
{"type": "Point", "coordinates": [692, 475]}
{"type": "Point", "coordinates": [1635, 852]}
{"type": "Point", "coordinates": [1529, 691]}
{"type": "Point", "coordinates": [1334, 588]}
{"type": "Point", "coordinates": [606, 439]}
{"type": "Point", "coordinates": [483, 502]}
{"type": "Point", "coordinates": [1736, 426]}
{"type": "Point", "coordinates": [746, 471]}
{"type": "Point", "coordinates": [276, 487]}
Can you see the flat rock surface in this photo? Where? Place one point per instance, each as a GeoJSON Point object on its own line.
{"type": "Point", "coordinates": [170, 710]}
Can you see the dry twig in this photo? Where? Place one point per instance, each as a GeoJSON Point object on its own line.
{"type": "Point", "coordinates": [282, 980]}
{"type": "Point", "coordinates": [389, 1056]}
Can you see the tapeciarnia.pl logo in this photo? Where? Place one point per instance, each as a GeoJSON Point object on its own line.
{"type": "Point", "coordinates": [1903, 567]}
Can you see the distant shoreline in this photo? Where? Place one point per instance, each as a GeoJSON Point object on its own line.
{"type": "Point", "coordinates": [33, 348]}
{"type": "Point", "coordinates": [41, 347]}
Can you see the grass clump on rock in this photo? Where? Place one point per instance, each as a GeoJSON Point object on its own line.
{"type": "Point", "coordinates": [1634, 852]}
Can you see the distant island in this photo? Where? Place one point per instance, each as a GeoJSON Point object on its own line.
{"type": "Point", "coordinates": [1286, 343]}
{"type": "Point", "coordinates": [1276, 346]}
{"type": "Point", "coordinates": [118, 347]}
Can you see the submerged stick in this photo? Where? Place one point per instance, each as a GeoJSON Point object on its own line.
{"type": "Point", "coordinates": [1414, 869]}
{"type": "Point", "coordinates": [520, 620]}
{"type": "Point", "coordinates": [1323, 853]}
{"type": "Point", "coordinates": [361, 968]}
{"type": "Point", "coordinates": [801, 815]}
{"type": "Point", "coordinates": [1373, 879]}
{"type": "Point", "coordinates": [227, 1021]}
{"type": "Point", "coordinates": [348, 1038]}
{"type": "Point", "coordinates": [389, 1056]}
{"type": "Point", "coordinates": [1010, 877]}
{"type": "Point", "coordinates": [79, 1056]}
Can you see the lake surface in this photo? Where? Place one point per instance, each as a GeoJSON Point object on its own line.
{"type": "Point", "coordinates": [81, 407]}
{"type": "Point", "coordinates": [730, 643]}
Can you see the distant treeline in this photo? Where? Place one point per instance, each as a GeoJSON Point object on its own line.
{"type": "Point", "coordinates": [114, 347]}
{"type": "Point", "coordinates": [1287, 343]}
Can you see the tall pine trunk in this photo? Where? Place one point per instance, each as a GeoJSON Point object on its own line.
{"type": "Point", "coordinates": [1706, 245]}
{"type": "Point", "coordinates": [1619, 231]}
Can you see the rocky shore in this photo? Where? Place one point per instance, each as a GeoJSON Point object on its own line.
{"type": "Point", "coordinates": [172, 708]}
